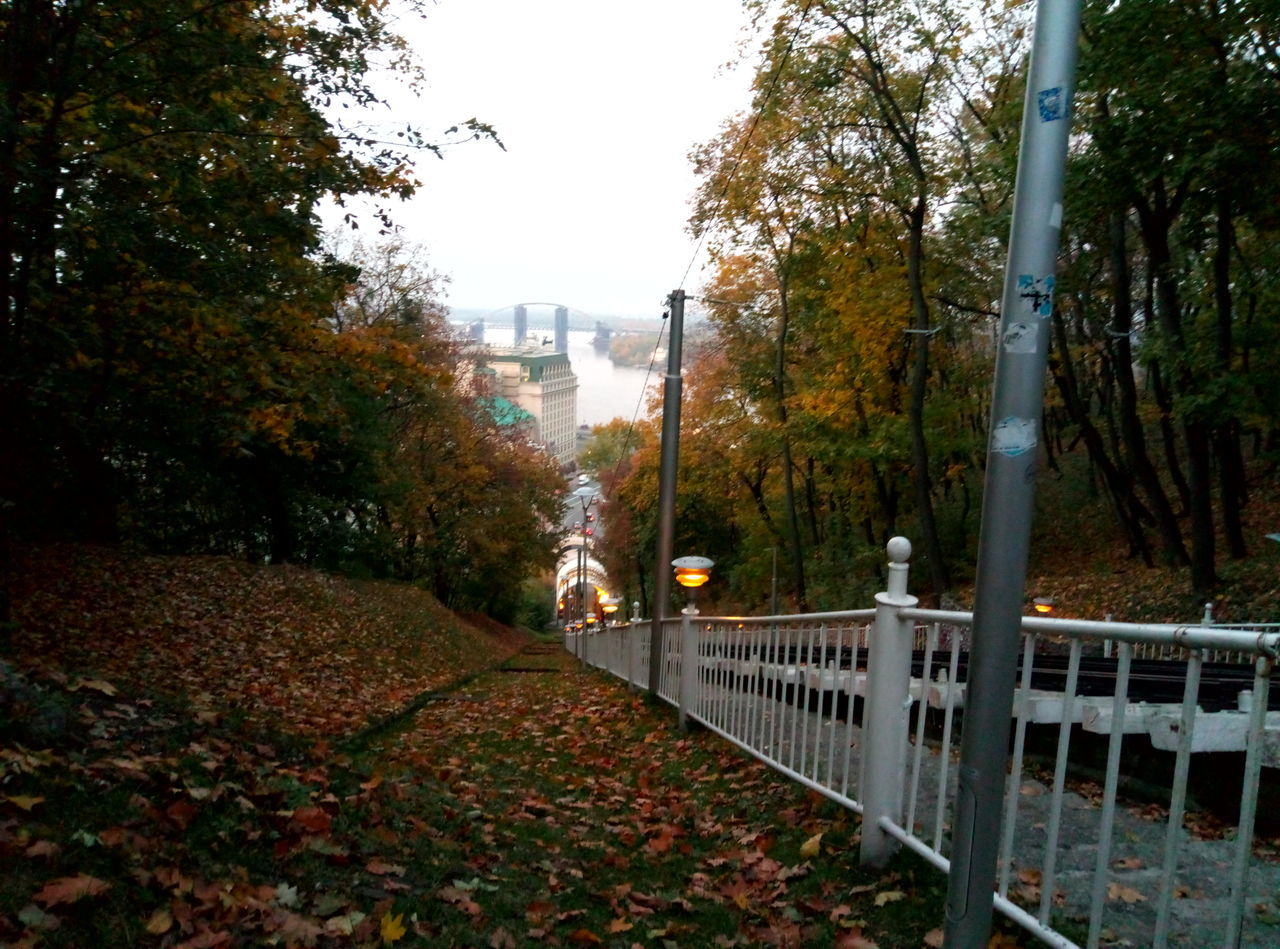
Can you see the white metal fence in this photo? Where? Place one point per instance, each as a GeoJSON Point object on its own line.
{"type": "Point", "coordinates": [866, 707]}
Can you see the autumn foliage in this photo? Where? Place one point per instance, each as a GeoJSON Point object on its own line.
{"type": "Point", "coordinates": [187, 362]}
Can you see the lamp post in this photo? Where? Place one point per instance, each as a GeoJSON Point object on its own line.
{"type": "Point", "coordinates": [610, 606]}
{"type": "Point", "coordinates": [587, 497]}
{"type": "Point", "coordinates": [691, 573]}
{"type": "Point", "coordinates": [631, 645]}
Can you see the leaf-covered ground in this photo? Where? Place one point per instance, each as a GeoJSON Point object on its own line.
{"type": "Point", "coordinates": [186, 762]}
{"type": "Point", "coordinates": [1079, 560]}
{"type": "Point", "coordinates": [308, 652]}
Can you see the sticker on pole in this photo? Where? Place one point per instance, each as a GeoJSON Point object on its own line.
{"type": "Point", "coordinates": [1052, 103]}
{"type": "Point", "coordinates": [1014, 436]}
{"type": "Point", "coordinates": [1035, 294]}
{"type": "Point", "coordinates": [1020, 339]}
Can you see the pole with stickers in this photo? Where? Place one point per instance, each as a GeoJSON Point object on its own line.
{"type": "Point", "coordinates": [1009, 491]}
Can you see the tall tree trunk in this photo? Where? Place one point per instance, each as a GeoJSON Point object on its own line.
{"type": "Point", "coordinates": [788, 469]}
{"type": "Point", "coordinates": [1195, 429]}
{"type": "Point", "coordinates": [811, 503]}
{"type": "Point", "coordinates": [1173, 552]}
{"type": "Point", "coordinates": [939, 576]}
{"type": "Point", "coordinates": [1231, 483]}
{"type": "Point", "coordinates": [1169, 437]}
{"type": "Point", "coordinates": [1118, 483]}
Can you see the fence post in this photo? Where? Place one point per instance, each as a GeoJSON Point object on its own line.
{"type": "Point", "coordinates": [689, 671]}
{"type": "Point", "coordinates": [887, 712]}
{"type": "Point", "coordinates": [631, 634]}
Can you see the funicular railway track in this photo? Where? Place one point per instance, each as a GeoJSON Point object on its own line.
{"type": "Point", "coordinates": [1150, 680]}
{"type": "Point", "coordinates": [1134, 784]}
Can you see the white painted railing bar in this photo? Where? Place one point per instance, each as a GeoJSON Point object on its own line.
{"type": "Point", "coordinates": [741, 660]}
{"type": "Point", "coordinates": [794, 706]}
{"type": "Point", "coordinates": [944, 759]}
{"type": "Point", "coordinates": [1177, 801]}
{"type": "Point", "coordinates": [803, 705]}
{"type": "Point", "coordinates": [1107, 823]}
{"type": "Point", "coordinates": [831, 722]}
{"type": "Point", "coordinates": [855, 635]}
{"type": "Point", "coordinates": [794, 692]}
{"type": "Point", "coordinates": [1192, 636]}
{"type": "Point", "coordinates": [1014, 785]}
{"type": "Point", "coordinates": [1249, 797]}
{"type": "Point", "coordinates": [793, 619]}
{"type": "Point", "coordinates": [1053, 832]}
{"type": "Point", "coordinates": [917, 757]}
{"type": "Point", "coordinates": [816, 786]}
{"type": "Point", "coordinates": [1006, 907]}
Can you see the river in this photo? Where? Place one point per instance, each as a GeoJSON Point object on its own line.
{"type": "Point", "coordinates": [606, 391]}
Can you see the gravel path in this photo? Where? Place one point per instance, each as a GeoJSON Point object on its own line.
{"type": "Point", "coordinates": [813, 744]}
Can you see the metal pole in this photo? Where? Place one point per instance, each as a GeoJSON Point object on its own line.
{"type": "Point", "coordinates": [669, 464]}
{"type": "Point", "coordinates": [1009, 490]}
{"type": "Point", "coordinates": [582, 599]}
{"type": "Point", "coordinates": [689, 671]}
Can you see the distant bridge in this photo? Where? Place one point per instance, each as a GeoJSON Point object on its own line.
{"type": "Point", "coordinates": [563, 319]}
{"type": "Point", "coordinates": [504, 317]}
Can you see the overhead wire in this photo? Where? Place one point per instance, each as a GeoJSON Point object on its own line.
{"type": "Point", "coordinates": [626, 440]}
{"type": "Point", "coordinates": [751, 129]}
{"type": "Point", "coordinates": [769, 92]}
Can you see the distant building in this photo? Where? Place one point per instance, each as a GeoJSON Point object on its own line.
{"type": "Point", "coordinates": [505, 414]}
{"type": "Point", "coordinates": [543, 384]}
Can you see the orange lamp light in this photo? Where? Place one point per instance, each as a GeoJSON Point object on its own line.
{"type": "Point", "coordinates": [692, 572]}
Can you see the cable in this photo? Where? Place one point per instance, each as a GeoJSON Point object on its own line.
{"type": "Point", "coordinates": [746, 140]}
{"type": "Point", "coordinates": [626, 441]}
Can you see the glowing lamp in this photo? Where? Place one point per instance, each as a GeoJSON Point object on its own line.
{"type": "Point", "coordinates": [692, 572]}
{"type": "Point", "coordinates": [1043, 604]}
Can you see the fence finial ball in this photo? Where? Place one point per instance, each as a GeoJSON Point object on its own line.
{"type": "Point", "coordinates": [899, 549]}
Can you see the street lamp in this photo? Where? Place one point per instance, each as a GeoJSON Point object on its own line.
{"type": "Point", "coordinates": [691, 573]}
{"type": "Point", "coordinates": [610, 606]}
{"type": "Point", "coordinates": [587, 497]}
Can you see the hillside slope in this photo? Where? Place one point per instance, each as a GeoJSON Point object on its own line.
{"type": "Point", "coordinates": [275, 644]}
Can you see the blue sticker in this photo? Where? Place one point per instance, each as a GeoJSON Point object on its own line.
{"type": "Point", "coordinates": [1053, 104]}
{"type": "Point", "coordinates": [1036, 295]}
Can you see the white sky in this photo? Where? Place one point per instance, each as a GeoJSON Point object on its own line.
{"type": "Point", "coordinates": [598, 103]}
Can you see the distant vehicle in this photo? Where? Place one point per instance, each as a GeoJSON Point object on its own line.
{"type": "Point", "coordinates": [583, 479]}
{"type": "Point", "coordinates": [590, 517]}
{"type": "Point", "coordinates": [577, 525]}
{"type": "Point", "coordinates": [589, 532]}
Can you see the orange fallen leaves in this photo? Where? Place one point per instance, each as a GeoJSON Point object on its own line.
{"type": "Point", "coordinates": [1126, 894]}
{"type": "Point", "coordinates": [71, 889]}
{"type": "Point", "coordinates": [231, 636]}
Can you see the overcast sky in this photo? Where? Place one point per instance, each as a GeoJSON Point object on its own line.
{"type": "Point", "coordinates": [598, 103]}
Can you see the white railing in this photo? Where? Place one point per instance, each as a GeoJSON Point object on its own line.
{"type": "Point", "coordinates": [828, 699]}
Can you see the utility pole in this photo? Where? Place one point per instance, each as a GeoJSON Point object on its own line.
{"type": "Point", "coordinates": [1009, 490]}
{"type": "Point", "coordinates": [668, 466]}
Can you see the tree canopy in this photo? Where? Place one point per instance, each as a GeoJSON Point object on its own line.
{"type": "Point", "coordinates": [183, 363]}
{"type": "Point", "coordinates": [857, 215]}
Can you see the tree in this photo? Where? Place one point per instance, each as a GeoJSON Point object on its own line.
{"type": "Point", "coordinates": [160, 162]}
{"type": "Point", "coordinates": [1189, 181]}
